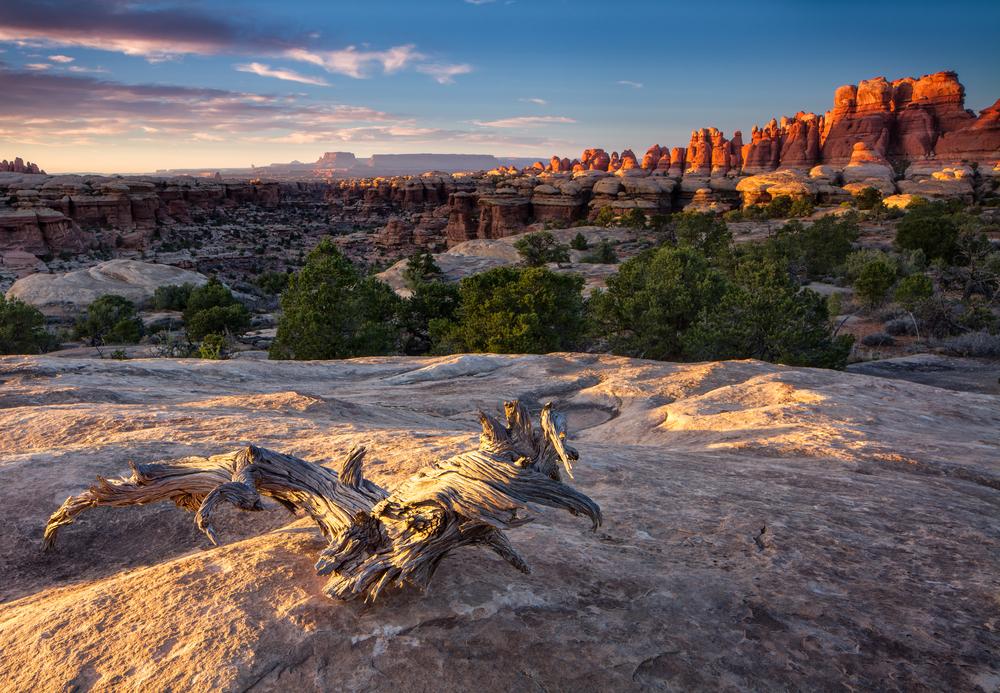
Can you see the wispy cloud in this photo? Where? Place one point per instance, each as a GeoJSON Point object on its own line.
{"type": "Point", "coordinates": [540, 102]}
{"type": "Point", "coordinates": [630, 83]}
{"type": "Point", "coordinates": [126, 27]}
{"type": "Point", "coordinates": [479, 2]}
{"type": "Point", "coordinates": [159, 32]}
{"type": "Point", "coordinates": [524, 122]}
{"type": "Point", "coordinates": [358, 64]}
{"type": "Point", "coordinates": [44, 107]}
{"type": "Point", "coordinates": [283, 74]}
{"type": "Point", "coordinates": [444, 74]}
{"type": "Point", "coordinates": [37, 66]}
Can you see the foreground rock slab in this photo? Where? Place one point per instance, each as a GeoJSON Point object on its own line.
{"type": "Point", "coordinates": [765, 528]}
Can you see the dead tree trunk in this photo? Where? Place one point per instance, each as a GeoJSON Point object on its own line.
{"type": "Point", "coordinates": [375, 538]}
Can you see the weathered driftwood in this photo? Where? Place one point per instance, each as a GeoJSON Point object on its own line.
{"type": "Point", "coordinates": [375, 538]}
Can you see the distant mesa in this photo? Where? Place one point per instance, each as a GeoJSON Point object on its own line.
{"type": "Point", "coordinates": [347, 165]}
{"type": "Point", "coordinates": [19, 165]}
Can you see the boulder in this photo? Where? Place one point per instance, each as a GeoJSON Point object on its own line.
{"type": "Point", "coordinates": [69, 294]}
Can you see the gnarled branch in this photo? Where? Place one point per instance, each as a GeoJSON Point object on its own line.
{"type": "Point", "coordinates": [375, 538]}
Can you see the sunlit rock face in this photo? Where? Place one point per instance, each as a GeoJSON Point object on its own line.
{"type": "Point", "coordinates": [768, 515]}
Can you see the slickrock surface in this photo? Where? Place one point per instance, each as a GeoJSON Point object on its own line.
{"type": "Point", "coordinates": [70, 293]}
{"type": "Point", "coordinates": [877, 570]}
{"type": "Point", "coordinates": [471, 257]}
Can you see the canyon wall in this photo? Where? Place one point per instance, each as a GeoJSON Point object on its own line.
{"type": "Point", "coordinates": [46, 215]}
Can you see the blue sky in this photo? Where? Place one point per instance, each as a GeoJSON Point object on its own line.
{"type": "Point", "coordinates": [117, 85]}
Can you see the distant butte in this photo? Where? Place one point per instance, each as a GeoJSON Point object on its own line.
{"type": "Point", "coordinates": [19, 165]}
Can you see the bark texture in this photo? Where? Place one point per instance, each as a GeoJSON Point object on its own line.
{"type": "Point", "coordinates": [376, 538]}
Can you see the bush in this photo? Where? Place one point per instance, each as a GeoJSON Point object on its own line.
{"type": "Point", "coordinates": [213, 308]}
{"type": "Point", "coordinates": [172, 297]}
{"type": "Point", "coordinates": [273, 283]}
{"type": "Point", "coordinates": [110, 320]}
{"type": "Point", "coordinates": [579, 242]}
{"type": "Point", "coordinates": [913, 289]}
{"type": "Point", "coordinates": [653, 299]}
{"type": "Point", "coordinates": [931, 227]}
{"type": "Point", "coordinates": [603, 254]}
{"type": "Point", "coordinates": [233, 319]}
{"type": "Point", "coordinates": [22, 328]}
{"type": "Point", "coordinates": [822, 247]}
{"type": "Point", "coordinates": [779, 208]}
{"type": "Point", "coordinates": [703, 232]}
{"type": "Point", "coordinates": [429, 302]}
{"type": "Point", "coordinates": [537, 249]}
{"type": "Point", "coordinates": [868, 198]}
{"type": "Point", "coordinates": [635, 218]}
{"type": "Point", "coordinates": [421, 267]}
{"type": "Point", "coordinates": [874, 281]}
{"type": "Point", "coordinates": [976, 344]}
{"type": "Point", "coordinates": [764, 315]}
{"type": "Point", "coordinates": [605, 217]}
{"type": "Point", "coordinates": [899, 327]}
{"type": "Point", "coordinates": [939, 316]}
{"type": "Point", "coordinates": [330, 311]}
{"type": "Point", "coordinates": [512, 310]}
{"type": "Point", "coordinates": [877, 339]}
{"type": "Point", "coordinates": [213, 347]}
{"type": "Point", "coordinates": [801, 207]}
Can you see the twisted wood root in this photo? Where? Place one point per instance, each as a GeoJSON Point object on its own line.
{"type": "Point", "coordinates": [375, 538]}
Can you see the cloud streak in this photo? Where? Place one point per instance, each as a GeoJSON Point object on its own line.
{"type": "Point", "coordinates": [524, 122]}
{"type": "Point", "coordinates": [358, 64]}
{"type": "Point", "coordinates": [630, 83]}
{"type": "Point", "coordinates": [444, 74]}
{"type": "Point", "coordinates": [282, 74]}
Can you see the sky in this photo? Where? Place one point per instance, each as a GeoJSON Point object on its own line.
{"type": "Point", "coordinates": [125, 86]}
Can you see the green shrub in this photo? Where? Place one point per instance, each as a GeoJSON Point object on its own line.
{"type": "Point", "coordinates": [801, 207]}
{"type": "Point", "coordinates": [913, 289]}
{"type": "Point", "coordinates": [703, 232]}
{"type": "Point", "coordinates": [213, 347]}
{"type": "Point", "coordinates": [537, 249]}
{"type": "Point", "coordinates": [172, 297]}
{"type": "Point", "coordinates": [213, 308]}
{"type": "Point", "coordinates": [110, 320]}
{"type": "Point", "coordinates": [653, 299]}
{"type": "Point", "coordinates": [329, 310]}
{"type": "Point", "coordinates": [635, 218]}
{"type": "Point", "coordinates": [868, 198]}
{"type": "Point", "coordinates": [605, 217]}
{"type": "Point", "coordinates": [764, 315]}
{"type": "Point", "coordinates": [779, 207]}
{"type": "Point", "coordinates": [234, 320]}
{"type": "Point", "coordinates": [603, 254]}
{"type": "Point", "coordinates": [429, 302]}
{"type": "Point", "coordinates": [513, 310]}
{"type": "Point", "coordinates": [931, 227]}
{"type": "Point", "coordinates": [420, 267]}
{"type": "Point", "coordinates": [579, 242]}
{"type": "Point", "coordinates": [273, 283]}
{"type": "Point", "coordinates": [874, 280]}
{"type": "Point", "coordinates": [22, 328]}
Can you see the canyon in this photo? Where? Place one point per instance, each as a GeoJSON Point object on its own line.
{"type": "Point", "coordinates": [908, 137]}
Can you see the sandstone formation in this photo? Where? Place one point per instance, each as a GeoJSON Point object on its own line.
{"type": "Point", "coordinates": [904, 120]}
{"type": "Point", "coordinates": [766, 528]}
{"type": "Point", "coordinates": [69, 294]}
{"type": "Point", "coordinates": [52, 214]}
{"type": "Point", "coordinates": [19, 165]}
